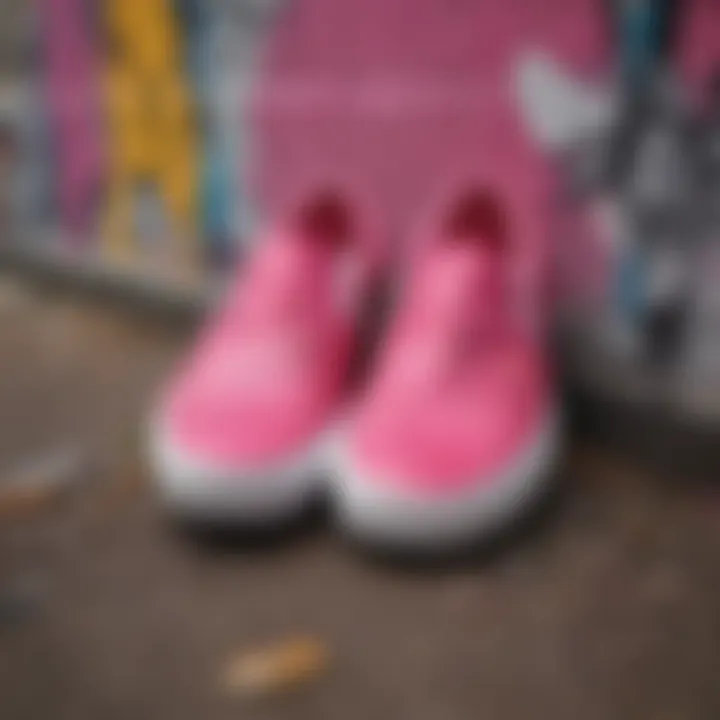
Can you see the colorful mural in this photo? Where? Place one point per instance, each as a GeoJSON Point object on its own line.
{"type": "Point", "coordinates": [123, 138]}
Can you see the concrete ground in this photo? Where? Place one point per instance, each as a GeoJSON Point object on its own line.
{"type": "Point", "coordinates": [606, 607]}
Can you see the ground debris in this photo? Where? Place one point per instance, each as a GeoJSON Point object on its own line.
{"type": "Point", "coordinates": [40, 481]}
{"type": "Point", "coordinates": [276, 668]}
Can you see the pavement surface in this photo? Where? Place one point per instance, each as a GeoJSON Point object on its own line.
{"type": "Point", "coordinates": [606, 606]}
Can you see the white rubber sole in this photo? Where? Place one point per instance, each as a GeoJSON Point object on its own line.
{"type": "Point", "coordinates": [199, 490]}
{"type": "Point", "coordinates": [382, 515]}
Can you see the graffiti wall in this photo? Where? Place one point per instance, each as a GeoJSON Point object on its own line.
{"type": "Point", "coordinates": [122, 131]}
{"type": "Point", "coordinates": [146, 137]}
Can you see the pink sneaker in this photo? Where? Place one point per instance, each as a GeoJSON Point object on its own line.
{"type": "Point", "coordinates": [458, 430]}
{"type": "Point", "coordinates": [240, 434]}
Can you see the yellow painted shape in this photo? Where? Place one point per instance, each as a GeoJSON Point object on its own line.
{"type": "Point", "coordinates": [151, 124]}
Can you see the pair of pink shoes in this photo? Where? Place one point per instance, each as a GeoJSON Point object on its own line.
{"type": "Point", "coordinates": [455, 431]}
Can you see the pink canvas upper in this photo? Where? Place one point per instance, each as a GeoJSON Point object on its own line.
{"type": "Point", "coordinates": [462, 385]}
{"type": "Point", "coordinates": [270, 370]}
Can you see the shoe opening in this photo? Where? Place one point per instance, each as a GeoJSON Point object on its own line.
{"type": "Point", "coordinates": [327, 220]}
{"type": "Point", "coordinates": [478, 217]}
